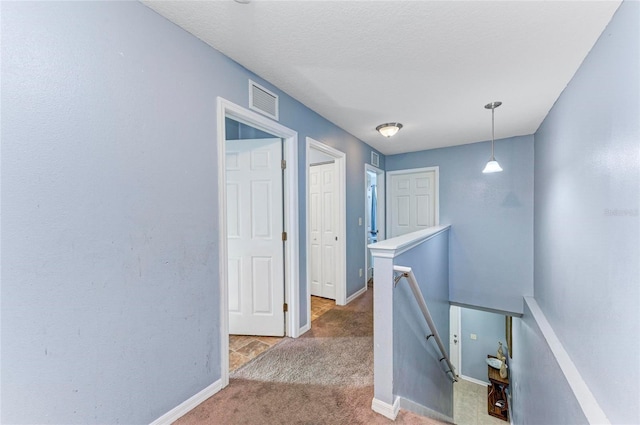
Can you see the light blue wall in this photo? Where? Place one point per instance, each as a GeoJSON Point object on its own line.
{"type": "Point", "coordinates": [491, 217]}
{"type": "Point", "coordinates": [541, 394]}
{"type": "Point", "coordinates": [236, 130]}
{"type": "Point", "coordinates": [587, 198]}
{"type": "Point", "coordinates": [418, 375]}
{"type": "Point", "coordinates": [489, 329]}
{"type": "Point", "coordinates": [109, 210]}
{"type": "Point", "coordinates": [318, 157]}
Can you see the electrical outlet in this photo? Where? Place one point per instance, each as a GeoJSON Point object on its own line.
{"type": "Point", "coordinates": [360, 272]}
{"type": "Point", "coordinates": [474, 336]}
{"type": "Point", "coordinates": [360, 222]}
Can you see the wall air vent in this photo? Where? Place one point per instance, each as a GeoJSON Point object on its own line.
{"type": "Point", "coordinates": [263, 100]}
{"type": "Point", "coordinates": [375, 159]}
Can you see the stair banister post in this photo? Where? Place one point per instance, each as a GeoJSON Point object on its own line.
{"type": "Point", "coordinates": [384, 401]}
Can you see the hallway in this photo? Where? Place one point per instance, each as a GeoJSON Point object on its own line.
{"type": "Point", "coordinates": [323, 377]}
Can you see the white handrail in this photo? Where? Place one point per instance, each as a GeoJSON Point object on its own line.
{"type": "Point", "coordinates": [407, 273]}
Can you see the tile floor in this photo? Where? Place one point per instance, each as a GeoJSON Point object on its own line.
{"type": "Point", "coordinates": [243, 348]}
{"type": "Point", "coordinates": [470, 405]}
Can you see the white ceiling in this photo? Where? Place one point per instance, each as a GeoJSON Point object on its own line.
{"type": "Point", "coordinates": [431, 65]}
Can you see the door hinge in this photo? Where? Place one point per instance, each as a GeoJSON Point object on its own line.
{"type": "Point", "coordinates": [285, 307]}
{"type": "Point", "coordinates": [283, 164]}
{"type": "Point", "coordinates": [284, 236]}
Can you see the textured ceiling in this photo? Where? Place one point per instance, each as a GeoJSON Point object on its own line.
{"type": "Point", "coordinates": [431, 65]}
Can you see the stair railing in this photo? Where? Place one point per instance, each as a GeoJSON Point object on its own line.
{"type": "Point", "coordinates": [407, 273]}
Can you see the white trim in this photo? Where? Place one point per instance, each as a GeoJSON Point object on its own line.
{"type": "Point", "coordinates": [304, 329]}
{"type": "Point", "coordinates": [341, 261]}
{"type": "Point", "coordinates": [385, 409]}
{"type": "Point", "coordinates": [357, 294]}
{"type": "Point", "coordinates": [411, 171]}
{"type": "Point", "coordinates": [291, 212]}
{"type": "Point", "coordinates": [421, 410]}
{"type": "Point", "coordinates": [393, 247]}
{"type": "Point", "coordinates": [188, 405]}
{"type": "Point", "coordinates": [474, 380]}
{"type": "Point", "coordinates": [382, 201]}
{"type": "Point", "coordinates": [584, 396]}
{"type": "Point", "coordinates": [380, 192]}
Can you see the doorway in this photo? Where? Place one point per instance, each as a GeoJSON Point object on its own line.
{"type": "Point", "coordinates": [326, 224]}
{"type": "Point", "coordinates": [478, 332]}
{"type": "Point", "coordinates": [287, 140]}
{"type": "Point", "coordinates": [374, 213]}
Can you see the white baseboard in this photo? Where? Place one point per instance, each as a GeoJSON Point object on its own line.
{"type": "Point", "coordinates": [188, 405]}
{"type": "Point", "coordinates": [421, 410]}
{"type": "Point", "coordinates": [385, 409]}
{"type": "Point", "coordinates": [474, 380]}
{"type": "Point", "coordinates": [357, 294]}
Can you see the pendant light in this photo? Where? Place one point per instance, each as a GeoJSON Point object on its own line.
{"type": "Point", "coordinates": [389, 129]}
{"type": "Point", "coordinates": [492, 166]}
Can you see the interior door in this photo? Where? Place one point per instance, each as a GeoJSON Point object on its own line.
{"type": "Point", "coordinates": [412, 201]}
{"type": "Point", "coordinates": [454, 337]}
{"type": "Point", "coordinates": [254, 232]}
{"type": "Point", "coordinates": [323, 229]}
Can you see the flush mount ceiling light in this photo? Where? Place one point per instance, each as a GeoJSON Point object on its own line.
{"type": "Point", "coordinates": [492, 166]}
{"type": "Point", "coordinates": [389, 129]}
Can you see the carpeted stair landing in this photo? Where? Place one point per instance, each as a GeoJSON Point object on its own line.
{"type": "Point", "coordinates": [323, 377]}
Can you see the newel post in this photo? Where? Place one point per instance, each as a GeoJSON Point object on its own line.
{"type": "Point", "coordinates": [384, 401]}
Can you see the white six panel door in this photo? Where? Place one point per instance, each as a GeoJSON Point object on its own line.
{"type": "Point", "coordinates": [323, 229]}
{"type": "Point", "coordinates": [413, 204]}
{"type": "Point", "coordinates": [254, 232]}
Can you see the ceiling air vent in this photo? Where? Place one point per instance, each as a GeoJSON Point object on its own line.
{"type": "Point", "coordinates": [263, 100]}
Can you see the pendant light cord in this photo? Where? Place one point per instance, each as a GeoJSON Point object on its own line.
{"type": "Point", "coordinates": [493, 111]}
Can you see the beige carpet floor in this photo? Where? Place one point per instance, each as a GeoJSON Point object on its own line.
{"type": "Point", "coordinates": [323, 377]}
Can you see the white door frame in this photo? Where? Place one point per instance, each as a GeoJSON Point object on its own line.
{"type": "Point", "coordinates": [380, 213]}
{"type": "Point", "coordinates": [411, 171]}
{"type": "Point", "coordinates": [340, 159]}
{"type": "Point", "coordinates": [290, 194]}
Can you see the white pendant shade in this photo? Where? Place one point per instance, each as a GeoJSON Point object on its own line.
{"type": "Point", "coordinates": [492, 167]}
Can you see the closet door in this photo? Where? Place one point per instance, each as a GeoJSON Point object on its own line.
{"type": "Point", "coordinates": [323, 226]}
{"type": "Point", "coordinates": [412, 198]}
